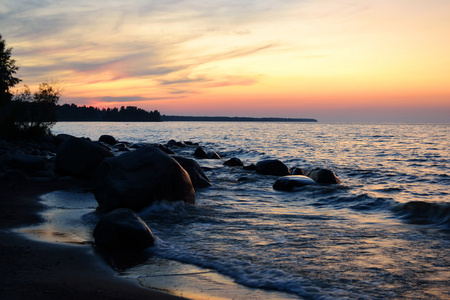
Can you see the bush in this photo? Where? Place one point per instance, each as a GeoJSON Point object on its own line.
{"type": "Point", "coordinates": [33, 115]}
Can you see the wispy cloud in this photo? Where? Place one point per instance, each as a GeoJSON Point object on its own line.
{"type": "Point", "coordinates": [142, 38]}
{"type": "Point", "coordinates": [109, 99]}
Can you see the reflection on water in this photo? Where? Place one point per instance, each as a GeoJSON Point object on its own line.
{"type": "Point", "coordinates": [50, 235]}
{"type": "Point", "coordinates": [68, 218]}
{"type": "Point", "coordinates": [194, 282]}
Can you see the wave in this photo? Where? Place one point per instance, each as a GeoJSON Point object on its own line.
{"type": "Point", "coordinates": [248, 273]}
{"type": "Point", "coordinates": [361, 202]}
{"type": "Point", "coordinates": [424, 213]}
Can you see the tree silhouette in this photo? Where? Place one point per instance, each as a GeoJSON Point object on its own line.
{"type": "Point", "coordinates": [8, 70]}
{"type": "Point", "coordinates": [8, 80]}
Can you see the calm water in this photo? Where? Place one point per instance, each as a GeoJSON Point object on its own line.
{"type": "Point", "coordinates": [383, 233]}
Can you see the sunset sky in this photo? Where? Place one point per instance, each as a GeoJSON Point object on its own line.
{"type": "Point", "coordinates": [333, 60]}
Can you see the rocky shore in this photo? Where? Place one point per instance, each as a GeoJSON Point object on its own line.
{"type": "Point", "coordinates": [123, 177]}
{"type": "Point", "coordinates": [40, 270]}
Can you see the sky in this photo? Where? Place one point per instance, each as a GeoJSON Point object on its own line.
{"type": "Point", "coordinates": [333, 60]}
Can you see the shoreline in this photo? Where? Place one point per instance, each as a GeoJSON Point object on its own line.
{"type": "Point", "coordinates": [40, 270]}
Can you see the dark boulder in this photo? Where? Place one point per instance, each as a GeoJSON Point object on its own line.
{"type": "Point", "coordinates": [171, 143]}
{"type": "Point", "coordinates": [292, 182]}
{"type": "Point", "coordinates": [233, 162]}
{"type": "Point", "coordinates": [122, 229]}
{"type": "Point", "coordinates": [272, 167]}
{"type": "Point", "coordinates": [78, 157]}
{"type": "Point", "coordinates": [189, 143]}
{"type": "Point", "coordinates": [200, 153]}
{"type": "Point", "coordinates": [298, 171]}
{"type": "Point", "coordinates": [108, 139]}
{"type": "Point", "coordinates": [121, 147]}
{"type": "Point", "coordinates": [213, 155]}
{"type": "Point", "coordinates": [14, 177]}
{"type": "Point", "coordinates": [5, 160]}
{"type": "Point", "coordinates": [324, 176]}
{"type": "Point", "coordinates": [28, 163]}
{"type": "Point", "coordinates": [250, 167]}
{"type": "Point", "coordinates": [63, 137]}
{"type": "Point", "coordinates": [49, 174]}
{"type": "Point", "coordinates": [198, 177]}
{"type": "Point", "coordinates": [165, 149]}
{"type": "Point", "coordinates": [138, 178]}
{"type": "Point", "coordinates": [137, 145]}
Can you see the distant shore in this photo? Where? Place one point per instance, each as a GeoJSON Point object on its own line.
{"type": "Point", "coordinates": [232, 119]}
{"type": "Point", "coordinates": [74, 113]}
{"type": "Point", "coordinates": [165, 118]}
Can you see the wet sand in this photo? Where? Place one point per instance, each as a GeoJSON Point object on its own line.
{"type": "Point", "coordinates": [38, 270]}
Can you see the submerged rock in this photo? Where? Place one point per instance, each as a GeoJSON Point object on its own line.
{"type": "Point", "coordinates": [324, 176]}
{"type": "Point", "coordinates": [234, 162]}
{"type": "Point", "coordinates": [122, 229]}
{"type": "Point", "coordinates": [272, 167]}
{"type": "Point", "coordinates": [291, 182]}
{"type": "Point", "coordinates": [79, 157]}
{"type": "Point", "coordinates": [198, 177]}
{"type": "Point", "coordinates": [137, 179]}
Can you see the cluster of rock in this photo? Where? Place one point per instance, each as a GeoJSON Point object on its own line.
{"type": "Point", "coordinates": [124, 181]}
{"type": "Point", "coordinates": [25, 160]}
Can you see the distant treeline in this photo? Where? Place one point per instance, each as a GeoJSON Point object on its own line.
{"type": "Point", "coordinates": [72, 112]}
{"type": "Point", "coordinates": [233, 119]}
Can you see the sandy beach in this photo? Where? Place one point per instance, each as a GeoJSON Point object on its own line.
{"type": "Point", "coordinates": [40, 270]}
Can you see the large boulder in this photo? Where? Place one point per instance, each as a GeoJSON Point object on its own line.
{"type": "Point", "coordinates": [324, 176]}
{"type": "Point", "coordinates": [198, 177]}
{"type": "Point", "coordinates": [272, 167]}
{"type": "Point", "coordinates": [292, 182]}
{"type": "Point", "coordinates": [122, 229]}
{"type": "Point", "coordinates": [79, 157]}
{"type": "Point", "coordinates": [138, 178]}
